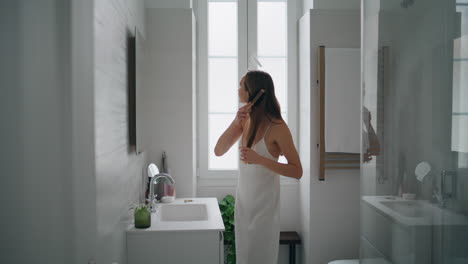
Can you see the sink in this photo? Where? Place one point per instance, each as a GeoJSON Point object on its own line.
{"type": "Point", "coordinates": [407, 208]}
{"type": "Point", "coordinates": [415, 212]}
{"type": "Point", "coordinates": [184, 212]}
{"type": "Point", "coordinates": [186, 230]}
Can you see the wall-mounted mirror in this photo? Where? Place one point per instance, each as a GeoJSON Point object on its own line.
{"type": "Point", "coordinates": [137, 99]}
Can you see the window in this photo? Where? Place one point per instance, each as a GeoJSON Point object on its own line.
{"type": "Point", "coordinates": [272, 47]}
{"type": "Point", "coordinates": [222, 79]}
{"type": "Point", "coordinates": [460, 83]}
{"type": "Point", "coordinates": [235, 36]}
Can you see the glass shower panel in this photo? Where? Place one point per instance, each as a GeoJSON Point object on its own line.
{"type": "Point", "coordinates": [414, 170]}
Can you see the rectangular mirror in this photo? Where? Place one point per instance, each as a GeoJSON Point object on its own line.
{"type": "Point", "coordinates": [137, 113]}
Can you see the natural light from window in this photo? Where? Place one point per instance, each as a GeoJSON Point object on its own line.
{"type": "Point", "coordinates": [223, 79]}
{"type": "Point", "coordinates": [272, 49]}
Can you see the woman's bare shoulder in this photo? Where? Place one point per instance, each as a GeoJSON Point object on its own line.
{"type": "Point", "coordinates": [279, 126]}
{"type": "Point", "coordinates": [276, 122]}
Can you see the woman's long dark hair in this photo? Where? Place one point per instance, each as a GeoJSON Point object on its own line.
{"type": "Point", "coordinates": [266, 106]}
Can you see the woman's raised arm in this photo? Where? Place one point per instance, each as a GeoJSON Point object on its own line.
{"type": "Point", "coordinates": [233, 132]}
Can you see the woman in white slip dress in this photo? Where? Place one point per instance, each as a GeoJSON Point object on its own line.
{"type": "Point", "coordinates": [264, 136]}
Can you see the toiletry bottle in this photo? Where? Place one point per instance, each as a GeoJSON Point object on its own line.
{"type": "Point", "coordinates": [147, 190]}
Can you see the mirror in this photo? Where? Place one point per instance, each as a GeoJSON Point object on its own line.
{"type": "Point", "coordinates": [137, 113]}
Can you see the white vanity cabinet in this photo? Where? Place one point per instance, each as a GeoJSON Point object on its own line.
{"type": "Point", "coordinates": [175, 247]}
{"type": "Point", "coordinates": [402, 231]}
{"type": "Point", "coordinates": [188, 230]}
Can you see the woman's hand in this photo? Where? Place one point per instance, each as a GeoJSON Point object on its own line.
{"type": "Point", "coordinates": [242, 114]}
{"type": "Point", "coordinates": [249, 155]}
{"type": "Point", "coordinates": [367, 156]}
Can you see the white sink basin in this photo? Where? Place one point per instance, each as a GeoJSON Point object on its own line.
{"type": "Point", "coordinates": [415, 212]}
{"type": "Point", "coordinates": [183, 212]}
{"type": "Point", "coordinates": [408, 208]}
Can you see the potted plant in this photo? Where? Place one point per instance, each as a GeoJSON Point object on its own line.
{"type": "Point", "coordinates": [142, 215]}
{"type": "Point", "coordinates": [226, 207]}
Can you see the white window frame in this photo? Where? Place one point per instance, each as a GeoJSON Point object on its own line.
{"type": "Point", "coordinates": [247, 45]}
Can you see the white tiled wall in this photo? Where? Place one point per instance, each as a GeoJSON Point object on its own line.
{"type": "Point", "coordinates": [119, 171]}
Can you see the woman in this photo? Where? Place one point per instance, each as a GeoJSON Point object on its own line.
{"type": "Point", "coordinates": [265, 136]}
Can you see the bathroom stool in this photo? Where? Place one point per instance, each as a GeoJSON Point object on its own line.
{"type": "Point", "coordinates": [292, 239]}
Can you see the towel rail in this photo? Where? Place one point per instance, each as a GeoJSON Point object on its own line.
{"type": "Point", "coordinates": [321, 84]}
{"type": "Point", "coordinates": [330, 161]}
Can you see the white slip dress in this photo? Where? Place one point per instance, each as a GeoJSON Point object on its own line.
{"type": "Point", "coordinates": [256, 215]}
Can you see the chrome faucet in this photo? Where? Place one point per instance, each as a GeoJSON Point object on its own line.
{"type": "Point", "coordinates": [155, 180]}
{"type": "Point", "coordinates": [442, 195]}
{"type": "Point", "coordinates": [437, 196]}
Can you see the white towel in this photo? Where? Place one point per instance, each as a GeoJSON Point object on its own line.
{"type": "Point", "coordinates": [342, 100]}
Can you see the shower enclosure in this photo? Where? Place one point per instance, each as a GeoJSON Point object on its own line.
{"type": "Point", "coordinates": [414, 165]}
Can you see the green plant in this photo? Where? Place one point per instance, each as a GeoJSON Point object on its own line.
{"type": "Point", "coordinates": [142, 215]}
{"type": "Point", "coordinates": [226, 207]}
